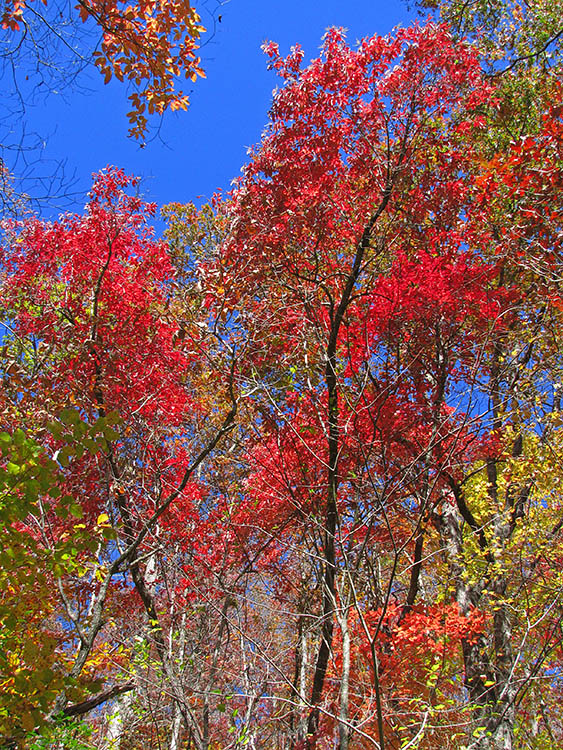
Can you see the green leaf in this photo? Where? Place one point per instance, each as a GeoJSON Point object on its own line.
{"type": "Point", "coordinates": [91, 446]}
{"type": "Point", "coordinates": [56, 429]}
{"type": "Point", "coordinates": [98, 426]}
{"type": "Point", "coordinates": [64, 455]}
{"type": "Point", "coordinates": [110, 433]}
{"type": "Point", "coordinates": [19, 437]}
{"type": "Point", "coordinates": [69, 417]}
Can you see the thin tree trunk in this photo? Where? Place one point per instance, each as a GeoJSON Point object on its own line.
{"type": "Point", "coordinates": [118, 721]}
{"type": "Point", "coordinates": [344, 712]}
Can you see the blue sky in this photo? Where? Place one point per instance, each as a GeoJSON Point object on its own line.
{"type": "Point", "coordinates": [204, 148]}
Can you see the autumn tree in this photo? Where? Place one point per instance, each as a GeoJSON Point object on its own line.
{"type": "Point", "coordinates": [378, 297]}
{"type": "Point", "coordinates": [520, 47]}
{"type": "Point", "coordinates": [152, 48]}
{"type": "Point", "coordinates": [99, 370]}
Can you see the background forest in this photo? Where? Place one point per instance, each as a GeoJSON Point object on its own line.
{"type": "Point", "coordinates": [288, 476]}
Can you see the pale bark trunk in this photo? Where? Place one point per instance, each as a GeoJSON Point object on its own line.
{"type": "Point", "coordinates": [176, 729]}
{"type": "Point", "coordinates": [344, 712]}
{"type": "Point", "coordinates": [118, 722]}
{"type": "Point", "coordinates": [175, 736]}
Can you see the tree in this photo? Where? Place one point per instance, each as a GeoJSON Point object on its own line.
{"type": "Point", "coordinates": [149, 45]}
{"type": "Point", "coordinates": [45, 47]}
{"type": "Point", "coordinates": [380, 300]}
{"type": "Point", "coordinates": [511, 36]}
{"type": "Point", "coordinates": [92, 339]}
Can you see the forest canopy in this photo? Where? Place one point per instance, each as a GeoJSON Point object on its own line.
{"type": "Point", "coordinates": [289, 475]}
